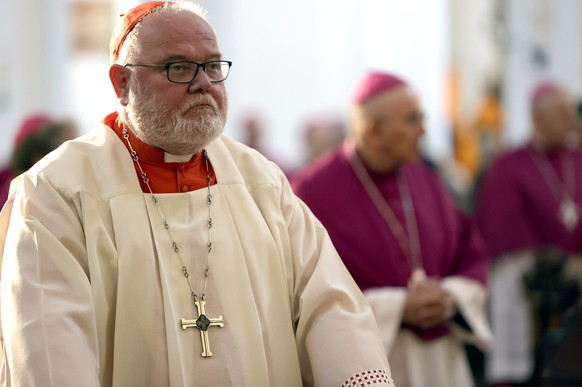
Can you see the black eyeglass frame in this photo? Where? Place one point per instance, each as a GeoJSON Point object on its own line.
{"type": "Point", "coordinates": [167, 66]}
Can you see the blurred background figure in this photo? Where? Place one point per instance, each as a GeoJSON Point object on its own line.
{"type": "Point", "coordinates": [579, 126]}
{"type": "Point", "coordinates": [418, 258]}
{"type": "Point", "coordinates": [254, 131]}
{"type": "Point", "coordinates": [321, 133]}
{"type": "Point", "coordinates": [529, 211]}
{"type": "Point", "coordinates": [38, 135]}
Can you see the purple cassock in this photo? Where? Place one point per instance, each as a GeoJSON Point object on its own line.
{"type": "Point", "coordinates": [450, 244]}
{"type": "Point", "coordinates": [518, 205]}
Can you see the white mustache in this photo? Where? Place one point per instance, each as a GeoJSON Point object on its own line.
{"type": "Point", "coordinates": [200, 100]}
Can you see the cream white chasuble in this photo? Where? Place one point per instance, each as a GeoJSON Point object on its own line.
{"type": "Point", "coordinates": [112, 295]}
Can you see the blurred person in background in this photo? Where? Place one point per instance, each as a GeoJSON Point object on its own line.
{"type": "Point", "coordinates": [419, 260]}
{"type": "Point", "coordinates": [254, 131]}
{"type": "Point", "coordinates": [528, 210]}
{"type": "Point", "coordinates": [38, 135]}
{"type": "Point", "coordinates": [157, 251]}
{"type": "Point", "coordinates": [320, 135]}
{"type": "Point", "coordinates": [579, 126]}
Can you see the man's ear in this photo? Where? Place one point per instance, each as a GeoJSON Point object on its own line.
{"type": "Point", "coordinates": [118, 75]}
{"type": "Point", "coordinates": [372, 129]}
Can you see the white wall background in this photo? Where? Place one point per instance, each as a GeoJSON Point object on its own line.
{"type": "Point", "coordinates": [293, 59]}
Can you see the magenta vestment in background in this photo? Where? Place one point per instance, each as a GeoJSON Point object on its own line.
{"type": "Point", "coordinates": [516, 209]}
{"type": "Point", "coordinates": [450, 243]}
{"type": "Point", "coordinates": [6, 177]}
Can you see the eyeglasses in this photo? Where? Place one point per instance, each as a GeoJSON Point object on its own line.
{"type": "Point", "coordinates": [186, 71]}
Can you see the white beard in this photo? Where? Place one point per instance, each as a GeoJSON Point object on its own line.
{"type": "Point", "coordinates": [173, 133]}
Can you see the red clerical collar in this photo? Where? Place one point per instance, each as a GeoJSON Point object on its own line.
{"type": "Point", "coordinates": [164, 177]}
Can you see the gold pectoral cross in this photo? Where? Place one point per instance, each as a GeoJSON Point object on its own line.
{"type": "Point", "coordinates": [203, 323]}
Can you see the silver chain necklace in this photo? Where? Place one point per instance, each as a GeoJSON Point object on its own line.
{"type": "Point", "coordinates": [202, 322]}
{"type": "Point", "coordinates": [409, 243]}
{"type": "Point", "coordinates": [563, 190]}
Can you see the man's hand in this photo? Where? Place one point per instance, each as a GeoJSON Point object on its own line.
{"type": "Point", "coordinates": [428, 304]}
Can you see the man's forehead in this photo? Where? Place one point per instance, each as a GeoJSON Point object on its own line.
{"type": "Point", "coordinates": [177, 36]}
{"type": "Point", "coordinates": [184, 28]}
{"type": "Point", "coordinates": [403, 95]}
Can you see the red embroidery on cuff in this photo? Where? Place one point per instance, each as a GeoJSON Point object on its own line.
{"type": "Point", "coordinates": [365, 378]}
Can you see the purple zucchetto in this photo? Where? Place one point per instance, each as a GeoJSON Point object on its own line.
{"type": "Point", "coordinates": [374, 83]}
{"type": "Point", "coordinates": [542, 89]}
{"type": "Point", "coordinates": [30, 126]}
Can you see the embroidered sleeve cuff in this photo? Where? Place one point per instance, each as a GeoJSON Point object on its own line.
{"type": "Point", "coordinates": [366, 378]}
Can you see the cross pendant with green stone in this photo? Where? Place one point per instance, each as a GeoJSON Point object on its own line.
{"type": "Point", "coordinates": [203, 323]}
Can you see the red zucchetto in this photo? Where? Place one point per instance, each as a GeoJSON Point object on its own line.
{"type": "Point", "coordinates": [127, 22]}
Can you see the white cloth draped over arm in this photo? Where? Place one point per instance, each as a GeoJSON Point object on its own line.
{"type": "Point", "coordinates": [470, 298]}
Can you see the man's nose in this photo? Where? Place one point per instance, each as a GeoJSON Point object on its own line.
{"type": "Point", "coordinates": [200, 83]}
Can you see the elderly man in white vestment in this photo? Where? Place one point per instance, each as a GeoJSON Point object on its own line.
{"type": "Point", "coordinates": [156, 251]}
